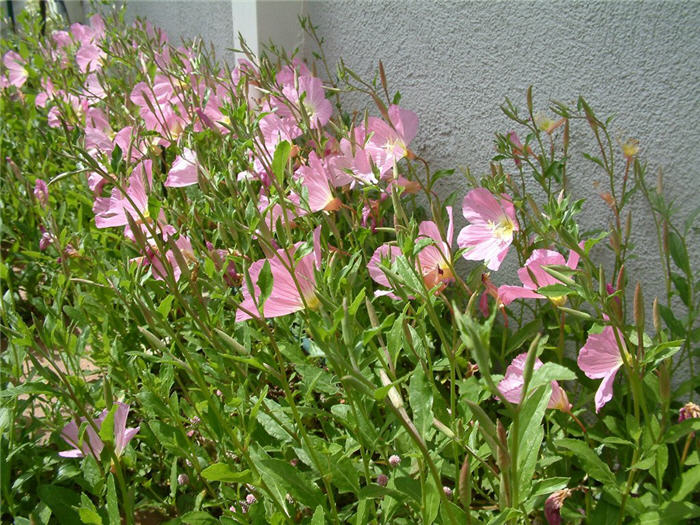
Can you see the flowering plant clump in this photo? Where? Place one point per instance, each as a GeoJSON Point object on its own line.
{"type": "Point", "coordinates": [260, 292]}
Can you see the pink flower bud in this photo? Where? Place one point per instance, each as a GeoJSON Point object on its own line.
{"type": "Point", "coordinates": [394, 460]}
{"type": "Point", "coordinates": [250, 499]}
{"type": "Point", "coordinates": [183, 479]}
{"type": "Point", "coordinates": [382, 480]}
{"type": "Point", "coordinates": [447, 491]}
{"type": "Point", "coordinates": [41, 192]}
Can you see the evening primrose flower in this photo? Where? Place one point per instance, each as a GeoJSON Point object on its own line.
{"type": "Point", "coordinates": [600, 358]}
{"type": "Point", "coordinates": [286, 297]}
{"type": "Point", "coordinates": [491, 228]}
{"type": "Point", "coordinates": [184, 171]}
{"type": "Point", "coordinates": [16, 72]}
{"type": "Point", "coordinates": [92, 444]}
{"type": "Point", "coordinates": [511, 385]}
{"type": "Point", "coordinates": [433, 261]}
{"type": "Point", "coordinates": [533, 276]}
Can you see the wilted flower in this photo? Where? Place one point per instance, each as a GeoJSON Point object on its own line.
{"type": "Point", "coordinates": [552, 507]}
{"type": "Point", "coordinates": [630, 148]}
{"type": "Point", "coordinates": [490, 232]}
{"type": "Point", "coordinates": [382, 480]}
{"type": "Point", "coordinates": [689, 410]}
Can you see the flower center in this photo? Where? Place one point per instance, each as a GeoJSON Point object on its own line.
{"type": "Point", "coordinates": [503, 230]}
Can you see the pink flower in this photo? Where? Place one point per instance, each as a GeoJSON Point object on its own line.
{"type": "Point", "coordinates": [91, 443]}
{"type": "Point", "coordinates": [433, 261]}
{"type": "Point", "coordinates": [388, 143]}
{"type": "Point", "coordinates": [293, 283]}
{"type": "Point", "coordinates": [89, 58]}
{"type": "Point", "coordinates": [533, 268]}
{"type": "Point", "coordinates": [311, 97]}
{"type": "Point", "coordinates": [184, 170]}
{"type": "Point", "coordinates": [599, 358]}
{"type": "Point", "coordinates": [157, 262]}
{"type": "Point", "coordinates": [317, 183]}
{"type": "Point", "coordinates": [511, 386]}
{"type": "Point", "coordinates": [490, 232]}
{"type": "Point", "coordinates": [17, 73]}
{"type": "Point", "coordinates": [112, 211]}
{"type": "Point", "coordinates": [384, 255]}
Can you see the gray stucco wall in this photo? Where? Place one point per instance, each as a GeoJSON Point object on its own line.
{"type": "Point", "coordinates": [210, 19]}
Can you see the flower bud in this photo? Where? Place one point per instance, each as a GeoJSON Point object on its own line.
{"type": "Point", "coordinates": [41, 193]}
{"type": "Point", "coordinates": [183, 479]}
{"type": "Point", "coordinates": [394, 460]}
{"type": "Point", "coordinates": [448, 491]}
{"type": "Point", "coordinates": [250, 499]}
{"type": "Point", "coordinates": [656, 316]}
{"type": "Point", "coordinates": [382, 480]}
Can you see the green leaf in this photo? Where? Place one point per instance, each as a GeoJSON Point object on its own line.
{"type": "Point", "coordinates": [319, 517]}
{"type": "Point", "coordinates": [531, 434]}
{"type": "Point", "coordinates": [107, 427]}
{"type": "Point", "coordinates": [61, 502]}
{"type": "Point", "coordinates": [592, 464]}
{"type": "Point", "coordinates": [165, 306]}
{"type": "Point", "coordinates": [670, 513]}
{"type": "Point", "coordinates": [555, 290]}
{"type": "Point", "coordinates": [265, 281]}
{"type": "Point", "coordinates": [681, 429]}
{"type": "Point", "coordinates": [224, 472]}
{"type": "Point", "coordinates": [678, 252]}
{"type": "Point", "coordinates": [420, 396]}
{"type": "Point", "coordinates": [279, 160]}
{"type": "Point", "coordinates": [112, 505]}
{"type": "Point", "coordinates": [198, 518]}
{"type": "Point", "coordinates": [283, 478]}
{"type": "Point", "coordinates": [689, 480]}
{"type": "Point", "coordinates": [549, 372]}
{"type": "Point", "coordinates": [88, 512]}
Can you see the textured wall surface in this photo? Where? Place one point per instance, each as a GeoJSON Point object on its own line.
{"type": "Point", "coordinates": [210, 19]}
{"type": "Point", "coordinates": [454, 62]}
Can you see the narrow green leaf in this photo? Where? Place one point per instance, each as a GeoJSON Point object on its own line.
{"type": "Point", "coordinates": [112, 505]}
{"type": "Point", "coordinates": [279, 160]}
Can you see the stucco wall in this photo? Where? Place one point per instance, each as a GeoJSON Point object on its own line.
{"type": "Point", "coordinates": [453, 63]}
{"type": "Point", "coordinates": [210, 19]}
